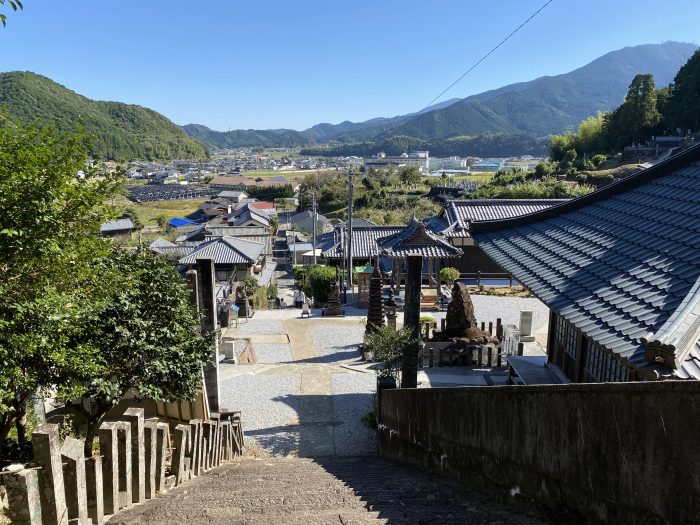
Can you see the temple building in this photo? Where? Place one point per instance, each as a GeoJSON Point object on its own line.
{"type": "Point", "coordinates": [619, 269]}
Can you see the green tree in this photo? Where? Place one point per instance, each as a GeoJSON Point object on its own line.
{"type": "Point", "coordinates": [636, 117]}
{"type": "Point", "coordinates": [449, 275]}
{"type": "Point", "coordinates": [409, 175]}
{"type": "Point", "coordinates": [684, 102]}
{"type": "Point", "coordinates": [389, 345]}
{"type": "Point", "coordinates": [162, 221]}
{"type": "Point", "coordinates": [14, 4]}
{"type": "Point", "coordinates": [50, 288]}
{"type": "Point", "coordinates": [147, 339]}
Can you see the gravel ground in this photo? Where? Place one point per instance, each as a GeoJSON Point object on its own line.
{"type": "Point", "coordinates": [260, 327]}
{"type": "Point", "coordinates": [272, 352]}
{"type": "Point", "coordinates": [353, 398]}
{"type": "Point", "coordinates": [338, 343]}
{"type": "Point", "coordinates": [488, 308]}
{"type": "Point", "coordinates": [268, 405]}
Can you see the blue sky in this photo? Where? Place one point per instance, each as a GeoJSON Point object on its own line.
{"type": "Point", "coordinates": [295, 63]}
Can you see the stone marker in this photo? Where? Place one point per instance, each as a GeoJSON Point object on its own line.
{"type": "Point", "coordinates": [110, 466]}
{"type": "Point", "coordinates": [179, 463]}
{"type": "Point", "coordinates": [47, 456]}
{"type": "Point", "coordinates": [74, 479]}
{"type": "Point", "coordinates": [125, 463]}
{"type": "Point", "coordinates": [93, 482]}
{"type": "Point", "coordinates": [161, 454]}
{"type": "Point", "coordinates": [230, 351]}
{"type": "Point", "coordinates": [526, 326]}
{"type": "Point", "coordinates": [195, 451]}
{"type": "Point", "coordinates": [23, 497]}
{"type": "Point", "coordinates": [138, 455]}
{"type": "Point", "coordinates": [150, 442]}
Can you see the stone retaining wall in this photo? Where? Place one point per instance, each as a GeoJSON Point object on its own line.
{"type": "Point", "coordinates": [585, 453]}
{"type": "Point", "coordinates": [65, 487]}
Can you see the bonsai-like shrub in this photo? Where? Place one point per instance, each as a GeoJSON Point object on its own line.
{"type": "Point", "coordinates": [388, 346]}
{"type": "Point", "coordinates": [318, 282]}
{"type": "Point", "coordinates": [449, 275]}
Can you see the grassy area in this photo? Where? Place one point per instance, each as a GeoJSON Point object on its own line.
{"type": "Point", "coordinates": [149, 211]}
{"type": "Point", "coordinates": [289, 175]}
{"type": "Point", "coordinates": [481, 177]}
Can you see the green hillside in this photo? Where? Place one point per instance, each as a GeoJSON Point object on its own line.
{"type": "Point", "coordinates": [247, 138]}
{"type": "Point", "coordinates": [552, 104]}
{"type": "Point", "coordinates": [119, 131]}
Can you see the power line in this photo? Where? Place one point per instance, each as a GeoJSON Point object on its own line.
{"type": "Point", "coordinates": [533, 15]}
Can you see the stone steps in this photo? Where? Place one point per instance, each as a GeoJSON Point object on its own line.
{"type": "Point", "coordinates": [337, 491]}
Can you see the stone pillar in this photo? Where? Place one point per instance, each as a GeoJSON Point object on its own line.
{"type": "Point", "coordinates": [74, 479]}
{"type": "Point", "coordinates": [411, 319]}
{"type": "Point", "coordinates": [47, 456]}
{"type": "Point", "coordinates": [110, 466]}
{"type": "Point", "coordinates": [125, 463]}
{"type": "Point", "coordinates": [375, 311]}
{"type": "Point", "coordinates": [196, 446]}
{"type": "Point", "coordinates": [526, 326]}
{"type": "Point", "coordinates": [93, 482]}
{"type": "Point", "coordinates": [162, 433]}
{"type": "Point", "coordinates": [138, 454]}
{"type": "Point", "coordinates": [206, 284]}
{"type": "Point", "coordinates": [23, 497]}
{"type": "Point", "coordinates": [150, 441]}
{"type": "Point", "coordinates": [191, 276]}
{"type": "Point", "coordinates": [179, 462]}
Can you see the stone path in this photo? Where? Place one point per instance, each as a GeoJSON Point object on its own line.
{"type": "Point", "coordinates": [305, 397]}
{"type": "Point", "coordinates": [338, 491]}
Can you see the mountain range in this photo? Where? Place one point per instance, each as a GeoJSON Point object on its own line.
{"type": "Point", "coordinates": [506, 121]}
{"type": "Point", "coordinates": [540, 107]}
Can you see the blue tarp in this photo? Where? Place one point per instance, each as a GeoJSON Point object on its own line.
{"type": "Point", "coordinates": [179, 222]}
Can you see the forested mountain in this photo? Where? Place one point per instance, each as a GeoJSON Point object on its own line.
{"type": "Point", "coordinates": [267, 138]}
{"type": "Point", "coordinates": [119, 131]}
{"type": "Point", "coordinates": [538, 108]}
{"type": "Point", "coordinates": [553, 104]}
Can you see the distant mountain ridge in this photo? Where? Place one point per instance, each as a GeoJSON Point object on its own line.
{"type": "Point", "coordinates": [540, 107]}
{"type": "Point", "coordinates": [119, 131]}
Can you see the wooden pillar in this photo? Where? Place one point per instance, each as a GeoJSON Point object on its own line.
{"type": "Point", "coordinates": [411, 319]}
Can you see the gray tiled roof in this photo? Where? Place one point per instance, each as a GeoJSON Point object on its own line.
{"type": "Point", "coordinates": [227, 250]}
{"type": "Point", "coordinates": [617, 263]}
{"type": "Point", "coordinates": [417, 240]}
{"type": "Point", "coordinates": [161, 243]}
{"type": "Point", "coordinates": [460, 213]}
{"type": "Point", "coordinates": [265, 276]}
{"type": "Point", "coordinates": [250, 215]}
{"type": "Point", "coordinates": [117, 225]}
{"type": "Point", "coordinates": [364, 241]}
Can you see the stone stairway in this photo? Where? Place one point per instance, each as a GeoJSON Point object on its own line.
{"type": "Point", "coordinates": [331, 490]}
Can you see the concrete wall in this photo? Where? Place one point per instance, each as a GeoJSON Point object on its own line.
{"type": "Point", "coordinates": [586, 453]}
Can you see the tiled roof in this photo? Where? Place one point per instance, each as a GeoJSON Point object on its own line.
{"type": "Point", "coordinates": [621, 264]}
{"type": "Point", "coordinates": [303, 215]}
{"type": "Point", "coordinates": [227, 250]}
{"type": "Point", "coordinates": [265, 276]}
{"type": "Point", "coordinates": [460, 213]}
{"type": "Point", "coordinates": [117, 225]}
{"type": "Point", "coordinates": [250, 215]}
{"type": "Point", "coordinates": [161, 243]}
{"type": "Point", "coordinates": [364, 241]}
{"type": "Point", "coordinates": [417, 240]}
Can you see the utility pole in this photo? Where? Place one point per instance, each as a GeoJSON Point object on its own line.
{"type": "Point", "coordinates": [349, 244]}
{"type": "Point", "coordinates": [315, 219]}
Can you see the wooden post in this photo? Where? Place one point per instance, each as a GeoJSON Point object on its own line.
{"type": "Point", "coordinates": [409, 364]}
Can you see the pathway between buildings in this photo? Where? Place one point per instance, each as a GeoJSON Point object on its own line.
{"type": "Point", "coordinates": [309, 458]}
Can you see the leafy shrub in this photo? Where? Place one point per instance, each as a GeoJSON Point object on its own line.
{"type": "Point", "coordinates": [272, 291]}
{"type": "Point", "coordinates": [449, 275]}
{"type": "Point", "coordinates": [251, 284]}
{"type": "Point", "coordinates": [318, 282]}
{"type": "Point", "coordinates": [388, 346]}
{"type": "Point", "coordinates": [258, 299]}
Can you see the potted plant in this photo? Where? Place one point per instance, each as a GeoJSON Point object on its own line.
{"type": "Point", "coordinates": [388, 346]}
